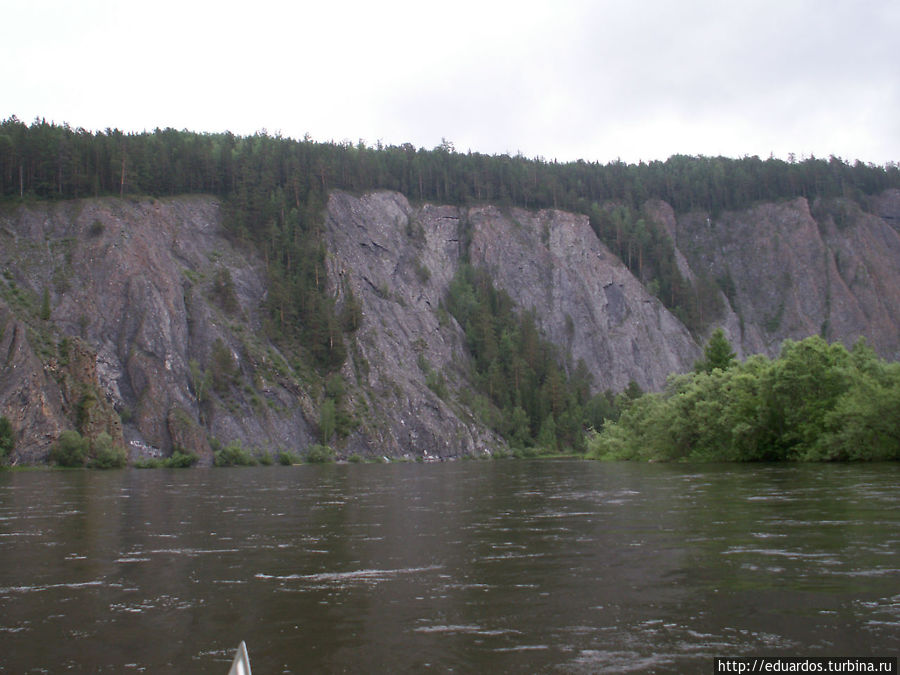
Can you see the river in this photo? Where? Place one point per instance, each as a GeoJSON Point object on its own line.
{"type": "Point", "coordinates": [481, 566]}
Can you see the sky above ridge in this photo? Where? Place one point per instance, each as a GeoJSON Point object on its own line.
{"type": "Point", "coordinates": [600, 81]}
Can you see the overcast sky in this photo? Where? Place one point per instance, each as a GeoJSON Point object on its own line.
{"type": "Point", "coordinates": [639, 79]}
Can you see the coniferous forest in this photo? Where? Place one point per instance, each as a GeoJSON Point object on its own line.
{"type": "Point", "coordinates": [274, 190]}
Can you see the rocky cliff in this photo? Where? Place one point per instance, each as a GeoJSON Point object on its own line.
{"type": "Point", "coordinates": [142, 319]}
{"type": "Point", "coordinates": [793, 269]}
{"type": "Point", "coordinates": [163, 301]}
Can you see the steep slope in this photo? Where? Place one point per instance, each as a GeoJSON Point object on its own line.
{"type": "Point", "coordinates": [142, 319]}
{"type": "Point", "coordinates": [398, 262]}
{"type": "Point", "coordinates": [791, 271]}
{"type": "Point", "coordinates": [584, 298]}
{"type": "Point", "coordinates": [170, 310]}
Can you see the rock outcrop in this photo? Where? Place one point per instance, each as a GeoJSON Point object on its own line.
{"type": "Point", "coordinates": [584, 298]}
{"type": "Point", "coordinates": [136, 281]}
{"type": "Point", "coordinates": [141, 319]}
{"type": "Point", "coordinates": [792, 271]}
{"type": "Point", "coordinates": [29, 396]}
{"type": "Point", "coordinates": [398, 262]}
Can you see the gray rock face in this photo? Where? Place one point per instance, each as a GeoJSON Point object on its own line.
{"type": "Point", "coordinates": [30, 399]}
{"type": "Point", "coordinates": [168, 313]}
{"type": "Point", "coordinates": [584, 298]}
{"type": "Point", "coordinates": [135, 280]}
{"type": "Point", "coordinates": [833, 270]}
{"type": "Point", "coordinates": [399, 262]}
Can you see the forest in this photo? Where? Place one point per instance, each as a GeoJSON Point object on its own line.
{"type": "Point", "coordinates": [47, 160]}
{"type": "Point", "coordinates": [815, 402]}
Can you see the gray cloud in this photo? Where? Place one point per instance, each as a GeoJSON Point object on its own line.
{"type": "Point", "coordinates": [596, 80]}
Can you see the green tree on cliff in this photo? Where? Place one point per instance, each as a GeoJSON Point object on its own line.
{"type": "Point", "coordinates": [717, 354]}
{"type": "Point", "coordinates": [7, 437]}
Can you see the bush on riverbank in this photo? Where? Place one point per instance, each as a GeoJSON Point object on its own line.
{"type": "Point", "coordinates": [178, 460]}
{"type": "Point", "coordinates": [319, 454]}
{"type": "Point", "coordinates": [73, 450]}
{"type": "Point", "coordinates": [815, 402]}
{"type": "Point", "coordinates": [233, 454]}
{"type": "Point", "coordinates": [70, 449]}
{"type": "Point", "coordinates": [105, 454]}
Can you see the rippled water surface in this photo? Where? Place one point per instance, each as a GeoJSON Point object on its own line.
{"type": "Point", "coordinates": [507, 566]}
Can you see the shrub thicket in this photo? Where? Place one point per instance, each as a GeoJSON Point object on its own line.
{"type": "Point", "coordinates": [816, 402]}
{"type": "Point", "coordinates": [233, 454]}
{"type": "Point", "coordinates": [70, 449]}
{"type": "Point", "coordinates": [105, 454]}
{"type": "Point", "coordinates": [319, 454]}
{"type": "Point", "coordinates": [7, 437]}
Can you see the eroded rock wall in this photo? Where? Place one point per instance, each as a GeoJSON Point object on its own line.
{"type": "Point", "coordinates": [796, 270]}
{"type": "Point", "coordinates": [136, 281]}
{"type": "Point", "coordinates": [144, 311]}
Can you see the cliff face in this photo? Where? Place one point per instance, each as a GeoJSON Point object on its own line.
{"type": "Point", "coordinates": [144, 312]}
{"type": "Point", "coordinates": [792, 271]}
{"type": "Point", "coordinates": [398, 262]}
{"type": "Point", "coordinates": [141, 285]}
{"type": "Point", "coordinates": [584, 298]}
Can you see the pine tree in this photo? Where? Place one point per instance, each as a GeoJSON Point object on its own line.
{"type": "Point", "coordinates": [716, 354]}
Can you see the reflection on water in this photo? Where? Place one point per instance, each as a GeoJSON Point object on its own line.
{"type": "Point", "coordinates": [510, 566]}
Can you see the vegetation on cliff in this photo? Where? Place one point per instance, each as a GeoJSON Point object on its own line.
{"type": "Point", "coordinates": [72, 450]}
{"type": "Point", "coordinates": [7, 438]}
{"type": "Point", "coordinates": [274, 192]}
{"type": "Point", "coordinates": [815, 402]}
{"type": "Point", "coordinates": [530, 400]}
{"type": "Point", "coordinates": [275, 189]}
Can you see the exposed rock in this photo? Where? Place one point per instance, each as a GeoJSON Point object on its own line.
{"type": "Point", "coordinates": [28, 396]}
{"type": "Point", "coordinates": [794, 272]}
{"type": "Point", "coordinates": [135, 281]}
{"type": "Point", "coordinates": [398, 261]}
{"type": "Point", "coordinates": [114, 308]}
{"type": "Point", "coordinates": [584, 298]}
{"type": "Point", "coordinates": [83, 401]}
{"type": "Point", "coordinates": [188, 436]}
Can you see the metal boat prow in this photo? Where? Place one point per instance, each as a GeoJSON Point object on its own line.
{"type": "Point", "coordinates": [241, 663]}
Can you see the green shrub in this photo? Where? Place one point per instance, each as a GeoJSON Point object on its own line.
{"type": "Point", "coordinates": [526, 453]}
{"type": "Point", "coordinates": [45, 305]}
{"type": "Point", "coordinates": [234, 454]}
{"type": "Point", "coordinates": [355, 459]}
{"type": "Point", "coordinates": [105, 454]}
{"type": "Point", "coordinates": [180, 460]}
{"type": "Point", "coordinates": [70, 449]}
{"type": "Point", "coordinates": [815, 402]}
{"type": "Point", "coordinates": [223, 291]}
{"type": "Point", "coordinates": [266, 459]}
{"type": "Point", "coordinates": [223, 368]}
{"type": "Point", "coordinates": [436, 382]}
{"type": "Point", "coordinates": [287, 458]}
{"type": "Point", "coordinates": [327, 419]}
{"type": "Point", "coordinates": [149, 463]}
{"type": "Point", "coordinates": [319, 454]}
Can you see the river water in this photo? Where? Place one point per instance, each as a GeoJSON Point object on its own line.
{"type": "Point", "coordinates": [503, 566]}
